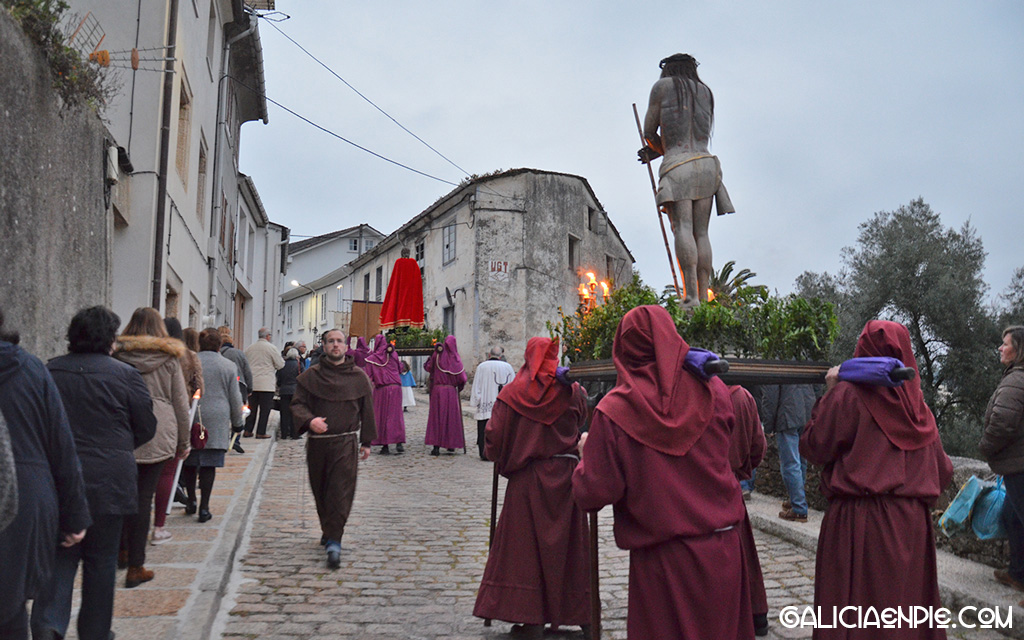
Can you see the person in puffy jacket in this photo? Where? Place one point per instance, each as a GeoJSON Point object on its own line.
{"type": "Point", "coordinates": [1002, 445]}
{"type": "Point", "coordinates": [145, 345]}
{"type": "Point", "coordinates": [111, 413]}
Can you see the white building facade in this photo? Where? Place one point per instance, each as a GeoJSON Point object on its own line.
{"type": "Point", "coordinates": [181, 221]}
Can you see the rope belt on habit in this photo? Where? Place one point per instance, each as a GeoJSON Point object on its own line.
{"type": "Point", "coordinates": [333, 435]}
{"type": "Point", "coordinates": [567, 455]}
{"type": "Point", "coordinates": [663, 170]}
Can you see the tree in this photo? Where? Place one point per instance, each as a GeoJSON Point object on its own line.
{"type": "Point", "coordinates": [1011, 309]}
{"type": "Point", "coordinates": [908, 267]}
{"type": "Point", "coordinates": [725, 285]}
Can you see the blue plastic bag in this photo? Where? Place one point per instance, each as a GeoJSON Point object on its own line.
{"type": "Point", "coordinates": [986, 516]}
{"type": "Point", "coordinates": [957, 517]}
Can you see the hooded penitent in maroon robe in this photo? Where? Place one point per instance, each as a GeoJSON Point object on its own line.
{"type": "Point", "coordinates": [447, 377]}
{"type": "Point", "coordinates": [658, 451]}
{"type": "Point", "coordinates": [883, 468]}
{"type": "Point", "coordinates": [359, 353]}
{"type": "Point", "coordinates": [747, 446]}
{"type": "Point", "coordinates": [403, 303]}
{"type": "Point", "coordinates": [537, 568]}
{"type": "Point", "coordinates": [384, 369]}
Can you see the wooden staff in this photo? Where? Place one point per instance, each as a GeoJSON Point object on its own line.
{"type": "Point", "coordinates": [595, 594]}
{"type": "Point", "coordinates": [654, 186]}
{"type": "Point", "coordinates": [494, 518]}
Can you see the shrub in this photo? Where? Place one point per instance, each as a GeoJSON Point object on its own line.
{"type": "Point", "coordinates": [750, 324]}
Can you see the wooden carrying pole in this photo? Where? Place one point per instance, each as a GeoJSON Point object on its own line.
{"type": "Point", "coordinates": [654, 187]}
{"type": "Point", "coordinates": [595, 593]}
{"type": "Point", "coordinates": [494, 518]}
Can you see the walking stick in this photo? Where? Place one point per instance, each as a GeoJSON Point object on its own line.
{"type": "Point", "coordinates": [654, 186]}
{"type": "Point", "coordinates": [177, 472]}
{"type": "Point", "coordinates": [494, 518]}
{"type": "Point", "coordinates": [595, 595]}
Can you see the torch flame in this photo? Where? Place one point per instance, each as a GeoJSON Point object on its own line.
{"type": "Point", "coordinates": [195, 396]}
{"type": "Point", "coordinates": [711, 295]}
{"type": "Point", "coordinates": [593, 278]}
{"type": "Point", "coordinates": [604, 286]}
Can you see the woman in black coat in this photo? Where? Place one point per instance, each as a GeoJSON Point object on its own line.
{"type": "Point", "coordinates": [286, 377]}
{"type": "Point", "coordinates": [51, 494]}
{"type": "Point", "coordinates": [111, 414]}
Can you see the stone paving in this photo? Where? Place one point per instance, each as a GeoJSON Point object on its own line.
{"type": "Point", "coordinates": [181, 590]}
{"type": "Point", "coordinates": [413, 554]}
{"type": "Point", "coordinates": [412, 557]}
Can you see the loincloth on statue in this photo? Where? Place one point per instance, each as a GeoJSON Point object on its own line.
{"type": "Point", "coordinates": [694, 178]}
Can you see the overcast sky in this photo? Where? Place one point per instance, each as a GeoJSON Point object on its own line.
{"type": "Point", "coordinates": [824, 114]}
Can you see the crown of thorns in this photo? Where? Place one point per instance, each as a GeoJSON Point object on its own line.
{"type": "Point", "coordinates": [678, 57]}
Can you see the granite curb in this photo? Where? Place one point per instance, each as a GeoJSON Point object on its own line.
{"type": "Point", "coordinates": [962, 583]}
{"type": "Point", "coordinates": [196, 618]}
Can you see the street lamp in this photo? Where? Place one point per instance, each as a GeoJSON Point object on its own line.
{"type": "Point", "coordinates": [296, 283]}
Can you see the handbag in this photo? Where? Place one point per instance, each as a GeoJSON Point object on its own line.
{"type": "Point", "coordinates": [986, 517]}
{"type": "Point", "coordinates": [199, 435]}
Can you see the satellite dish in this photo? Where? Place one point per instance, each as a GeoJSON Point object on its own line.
{"type": "Point", "coordinates": [448, 294]}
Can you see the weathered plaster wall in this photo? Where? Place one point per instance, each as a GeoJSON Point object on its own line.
{"type": "Point", "coordinates": [54, 227]}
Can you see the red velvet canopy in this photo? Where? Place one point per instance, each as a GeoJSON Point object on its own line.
{"type": "Point", "coordinates": [403, 304]}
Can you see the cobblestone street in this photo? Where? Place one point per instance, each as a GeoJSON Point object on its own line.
{"type": "Point", "coordinates": [413, 554]}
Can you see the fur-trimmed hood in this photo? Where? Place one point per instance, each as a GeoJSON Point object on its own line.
{"type": "Point", "coordinates": [146, 353]}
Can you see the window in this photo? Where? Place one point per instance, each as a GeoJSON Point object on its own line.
{"type": "Point", "coordinates": [448, 241]}
{"type": "Point", "coordinates": [380, 283]}
{"type": "Point", "coordinates": [323, 307]}
{"type": "Point", "coordinates": [201, 181]}
{"type": "Point", "coordinates": [353, 244]}
{"type": "Point", "coordinates": [211, 36]}
{"type": "Point", "coordinates": [449, 320]}
{"type": "Point", "coordinates": [223, 218]}
{"type": "Point", "coordinates": [609, 267]}
{"type": "Point", "coordinates": [250, 251]}
{"type": "Point", "coordinates": [184, 129]}
{"type": "Point", "coordinates": [368, 244]}
{"type": "Point", "coordinates": [288, 317]}
{"type": "Point", "coordinates": [366, 287]}
{"type": "Point", "coordinates": [574, 253]}
{"type": "Point", "coordinates": [420, 252]}
{"type": "Point", "coordinates": [302, 314]}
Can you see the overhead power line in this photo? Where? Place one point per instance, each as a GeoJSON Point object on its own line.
{"type": "Point", "coordinates": [339, 136]}
{"type": "Point", "coordinates": [360, 94]}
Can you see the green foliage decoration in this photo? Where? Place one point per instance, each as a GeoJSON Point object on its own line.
{"type": "Point", "coordinates": [749, 324]}
{"type": "Point", "coordinates": [410, 338]}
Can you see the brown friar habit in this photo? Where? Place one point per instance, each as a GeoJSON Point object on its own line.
{"type": "Point", "coordinates": [537, 569]}
{"type": "Point", "coordinates": [747, 446]}
{"type": "Point", "coordinates": [343, 396]}
{"type": "Point", "coordinates": [882, 469]}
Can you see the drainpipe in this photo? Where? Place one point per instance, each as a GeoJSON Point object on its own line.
{"type": "Point", "coordinates": [165, 144]}
{"type": "Point", "coordinates": [218, 179]}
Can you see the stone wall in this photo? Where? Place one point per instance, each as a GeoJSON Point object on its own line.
{"type": "Point", "coordinates": [54, 227]}
{"type": "Point", "coordinates": [994, 553]}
